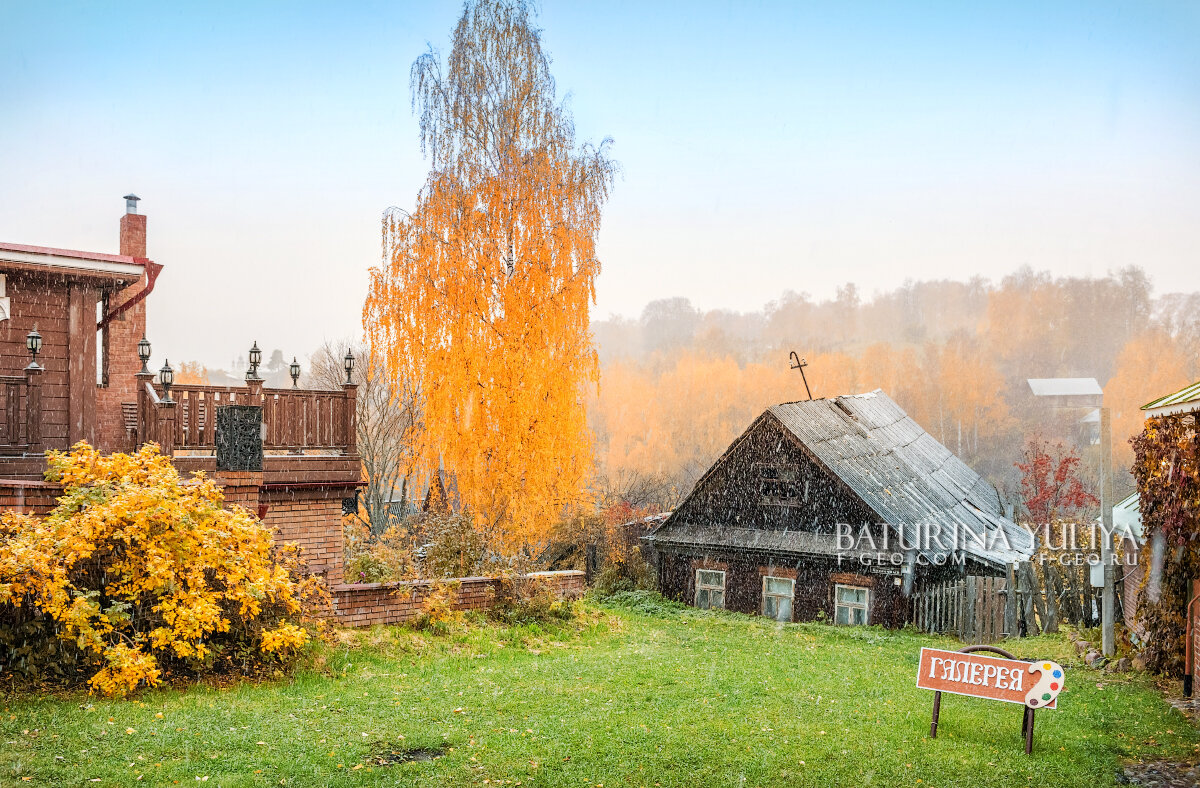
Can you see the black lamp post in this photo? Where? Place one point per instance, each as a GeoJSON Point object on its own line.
{"type": "Point", "coordinates": [349, 364]}
{"type": "Point", "coordinates": [166, 376]}
{"type": "Point", "coordinates": [255, 360]}
{"type": "Point", "coordinates": [294, 369]}
{"type": "Point", "coordinates": [33, 342]}
{"type": "Point", "coordinates": [144, 355]}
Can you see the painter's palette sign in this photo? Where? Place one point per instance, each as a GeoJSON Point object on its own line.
{"type": "Point", "coordinates": [1032, 684]}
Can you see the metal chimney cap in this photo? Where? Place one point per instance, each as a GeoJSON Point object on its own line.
{"type": "Point", "coordinates": [131, 201]}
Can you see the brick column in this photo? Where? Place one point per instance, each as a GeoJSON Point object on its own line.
{"type": "Point", "coordinates": [241, 488]}
{"type": "Point", "coordinates": [123, 334]}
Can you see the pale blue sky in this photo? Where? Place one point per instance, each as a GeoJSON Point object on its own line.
{"type": "Point", "coordinates": [765, 146]}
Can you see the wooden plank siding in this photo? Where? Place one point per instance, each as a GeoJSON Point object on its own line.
{"type": "Point", "coordinates": [815, 580]}
{"type": "Point", "coordinates": [36, 301]}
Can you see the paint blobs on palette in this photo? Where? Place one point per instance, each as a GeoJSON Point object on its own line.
{"type": "Point", "coordinates": [1048, 685]}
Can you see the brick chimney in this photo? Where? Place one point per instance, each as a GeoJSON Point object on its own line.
{"type": "Point", "coordinates": [117, 391]}
{"type": "Point", "coordinates": [133, 229]}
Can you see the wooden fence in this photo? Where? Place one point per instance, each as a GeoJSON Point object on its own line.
{"type": "Point", "coordinates": [974, 609]}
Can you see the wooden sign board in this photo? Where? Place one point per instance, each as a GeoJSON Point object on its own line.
{"type": "Point", "coordinates": [1032, 684]}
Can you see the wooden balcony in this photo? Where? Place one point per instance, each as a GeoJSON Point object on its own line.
{"type": "Point", "coordinates": [294, 421]}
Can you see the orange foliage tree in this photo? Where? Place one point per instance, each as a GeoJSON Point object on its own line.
{"type": "Point", "coordinates": [1151, 364]}
{"type": "Point", "coordinates": [192, 372]}
{"type": "Point", "coordinates": [483, 296]}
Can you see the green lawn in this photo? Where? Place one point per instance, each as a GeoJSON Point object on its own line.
{"type": "Point", "coordinates": [677, 698]}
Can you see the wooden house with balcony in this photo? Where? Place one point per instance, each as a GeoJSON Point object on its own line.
{"type": "Point", "coordinates": [73, 368]}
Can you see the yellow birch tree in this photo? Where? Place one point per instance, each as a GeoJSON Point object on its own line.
{"type": "Point", "coordinates": [482, 298]}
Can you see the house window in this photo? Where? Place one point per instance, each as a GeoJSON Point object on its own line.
{"type": "Point", "coordinates": [102, 341]}
{"type": "Point", "coordinates": [777, 597]}
{"type": "Point", "coordinates": [710, 589]}
{"type": "Point", "coordinates": [851, 605]}
{"type": "Point", "coordinates": [781, 485]}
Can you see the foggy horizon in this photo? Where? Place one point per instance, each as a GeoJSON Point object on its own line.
{"type": "Point", "coordinates": [762, 149]}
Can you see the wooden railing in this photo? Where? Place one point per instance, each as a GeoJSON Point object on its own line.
{"type": "Point", "coordinates": [21, 412]}
{"type": "Point", "coordinates": [294, 420]}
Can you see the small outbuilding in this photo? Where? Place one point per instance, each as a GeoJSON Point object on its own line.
{"type": "Point", "coordinates": [839, 509]}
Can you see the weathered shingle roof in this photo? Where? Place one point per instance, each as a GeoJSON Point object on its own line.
{"type": "Point", "coordinates": [909, 480]}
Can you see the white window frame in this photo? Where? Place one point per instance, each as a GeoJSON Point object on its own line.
{"type": "Point", "coordinates": [710, 588]}
{"type": "Point", "coordinates": [865, 607]}
{"type": "Point", "coordinates": [791, 597]}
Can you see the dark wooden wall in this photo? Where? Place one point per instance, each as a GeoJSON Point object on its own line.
{"type": "Point", "coordinates": [816, 579]}
{"type": "Point", "coordinates": [730, 493]}
{"type": "Point", "coordinates": [36, 301]}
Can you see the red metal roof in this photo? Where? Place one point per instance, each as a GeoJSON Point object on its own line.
{"type": "Point", "coordinates": [97, 256]}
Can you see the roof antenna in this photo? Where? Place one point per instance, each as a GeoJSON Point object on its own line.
{"type": "Point", "coordinates": [800, 364]}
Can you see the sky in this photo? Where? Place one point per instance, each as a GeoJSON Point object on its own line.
{"type": "Point", "coordinates": [764, 147]}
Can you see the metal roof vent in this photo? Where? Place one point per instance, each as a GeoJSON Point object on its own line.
{"type": "Point", "coordinates": [131, 201]}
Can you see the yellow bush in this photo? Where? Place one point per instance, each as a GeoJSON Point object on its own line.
{"type": "Point", "coordinates": [146, 573]}
{"type": "Point", "coordinates": [437, 607]}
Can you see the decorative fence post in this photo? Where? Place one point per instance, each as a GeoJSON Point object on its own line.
{"type": "Point", "coordinates": [145, 409]}
{"type": "Point", "coordinates": [165, 416]}
{"type": "Point", "coordinates": [351, 420]}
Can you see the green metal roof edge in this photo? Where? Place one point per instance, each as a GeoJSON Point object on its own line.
{"type": "Point", "coordinates": [1192, 391]}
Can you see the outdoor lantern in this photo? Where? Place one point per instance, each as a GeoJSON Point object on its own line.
{"type": "Point", "coordinates": [166, 376]}
{"type": "Point", "coordinates": [255, 360]}
{"type": "Point", "coordinates": [33, 341]}
{"type": "Point", "coordinates": [144, 355]}
{"type": "Point", "coordinates": [349, 365]}
{"type": "Point", "coordinates": [295, 370]}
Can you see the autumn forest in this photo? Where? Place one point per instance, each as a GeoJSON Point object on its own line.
{"type": "Point", "coordinates": [678, 383]}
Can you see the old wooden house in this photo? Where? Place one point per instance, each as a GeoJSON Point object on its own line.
{"type": "Point", "coordinates": [843, 509]}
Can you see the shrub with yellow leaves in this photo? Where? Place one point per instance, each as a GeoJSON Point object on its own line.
{"type": "Point", "coordinates": [138, 574]}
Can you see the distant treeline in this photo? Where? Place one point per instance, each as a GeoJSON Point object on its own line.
{"type": "Point", "coordinates": [678, 384]}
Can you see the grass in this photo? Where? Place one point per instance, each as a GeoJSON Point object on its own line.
{"type": "Point", "coordinates": [648, 694]}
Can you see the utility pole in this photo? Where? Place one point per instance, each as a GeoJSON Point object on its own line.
{"type": "Point", "coordinates": [1086, 393]}
{"type": "Point", "coordinates": [800, 364]}
{"type": "Point", "coordinates": [1108, 598]}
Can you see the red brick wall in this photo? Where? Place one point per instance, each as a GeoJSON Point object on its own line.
{"type": "Point", "coordinates": [123, 363]}
{"type": "Point", "coordinates": [365, 604]}
{"type": "Point", "coordinates": [1131, 582]}
{"type": "Point", "coordinates": [28, 497]}
{"type": "Point", "coordinates": [124, 332]}
{"type": "Point", "coordinates": [1195, 631]}
{"type": "Point", "coordinates": [312, 518]}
